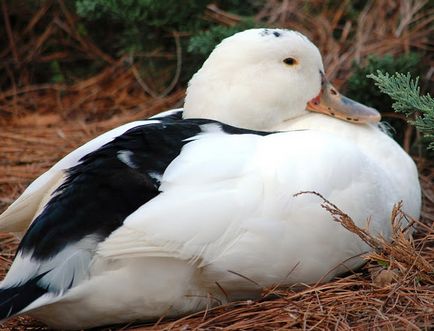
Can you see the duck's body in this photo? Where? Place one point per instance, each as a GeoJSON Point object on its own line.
{"type": "Point", "coordinates": [397, 166]}
{"type": "Point", "coordinates": [168, 216]}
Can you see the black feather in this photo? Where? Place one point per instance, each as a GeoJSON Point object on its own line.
{"type": "Point", "coordinates": [102, 190]}
{"type": "Point", "coordinates": [15, 299]}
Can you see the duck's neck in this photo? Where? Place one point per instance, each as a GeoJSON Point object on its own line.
{"type": "Point", "coordinates": [288, 123]}
{"type": "Point", "coordinates": [255, 118]}
{"type": "Point", "coordinates": [256, 108]}
{"type": "Point", "coordinates": [325, 123]}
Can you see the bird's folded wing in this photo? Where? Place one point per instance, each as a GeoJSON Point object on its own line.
{"type": "Point", "coordinates": [207, 193]}
{"type": "Point", "coordinates": [23, 211]}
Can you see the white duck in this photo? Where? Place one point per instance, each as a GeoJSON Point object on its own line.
{"type": "Point", "coordinates": [169, 215]}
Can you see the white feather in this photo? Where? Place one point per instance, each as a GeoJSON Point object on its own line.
{"type": "Point", "coordinates": [166, 113]}
{"type": "Point", "coordinates": [227, 217]}
{"type": "Point", "coordinates": [22, 212]}
{"type": "Point", "coordinates": [125, 157]}
{"type": "Point", "coordinates": [246, 206]}
{"type": "Point", "coordinates": [68, 268]}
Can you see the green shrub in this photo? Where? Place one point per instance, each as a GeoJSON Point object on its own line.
{"type": "Point", "coordinates": [141, 27]}
{"type": "Point", "coordinates": [405, 94]}
{"type": "Point", "coordinates": [178, 15]}
{"type": "Point", "coordinates": [204, 42]}
{"type": "Point", "coordinates": [361, 89]}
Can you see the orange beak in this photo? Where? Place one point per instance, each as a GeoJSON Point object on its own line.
{"type": "Point", "coordinates": [332, 103]}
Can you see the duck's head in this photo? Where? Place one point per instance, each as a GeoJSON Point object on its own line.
{"type": "Point", "coordinates": [260, 78]}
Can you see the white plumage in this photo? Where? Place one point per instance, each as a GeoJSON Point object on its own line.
{"type": "Point", "coordinates": [226, 211]}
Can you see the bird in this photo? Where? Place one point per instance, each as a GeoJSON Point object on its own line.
{"type": "Point", "coordinates": [199, 206]}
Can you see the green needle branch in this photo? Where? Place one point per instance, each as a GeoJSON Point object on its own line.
{"type": "Point", "coordinates": [406, 97]}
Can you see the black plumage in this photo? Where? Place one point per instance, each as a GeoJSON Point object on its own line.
{"type": "Point", "coordinates": [15, 299]}
{"type": "Point", "coordinates": [102, 190]}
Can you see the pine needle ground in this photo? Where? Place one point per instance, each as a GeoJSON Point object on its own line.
{"type": "Point", "coordinates": [41, 123]}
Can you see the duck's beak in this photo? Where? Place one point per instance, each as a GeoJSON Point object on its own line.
{"type": "Point", "coordinates": [332, 103]}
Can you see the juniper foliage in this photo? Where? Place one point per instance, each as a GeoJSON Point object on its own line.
{"type": "Point", "coordinates": [406, 97]}
{"type": "Point", "coordinates": [362, 89]}
{"type": "Point", "coordinates": [204, 41]}
{"type": "Point", "coordinates": [143, 29]}
{"type": "Point", "coordinates": [180, 15]}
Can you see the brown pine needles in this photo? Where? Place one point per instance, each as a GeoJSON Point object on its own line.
{"type": "Point", "coordinates": [40, 123]}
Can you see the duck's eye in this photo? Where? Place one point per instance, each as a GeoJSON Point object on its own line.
{"type": "Point", "coordinates": [290, 61]}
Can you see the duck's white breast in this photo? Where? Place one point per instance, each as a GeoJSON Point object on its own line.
{"type": "Point", "coordinates": [400, 172]}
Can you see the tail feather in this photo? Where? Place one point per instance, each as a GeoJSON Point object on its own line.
{"type": "Point", "coordinates": [14, 300]}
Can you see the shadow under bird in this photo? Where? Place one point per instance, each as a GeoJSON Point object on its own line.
{"type": "Point", "coordinates": [196, 206]}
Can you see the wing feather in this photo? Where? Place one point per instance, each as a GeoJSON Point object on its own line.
{"type": "Point", "coordinates": [18, 216]}
{"type": "Point", "coordinates": [234, 196]}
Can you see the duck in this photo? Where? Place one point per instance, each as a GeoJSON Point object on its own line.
{"type": "Point", "coordinates": [198, 206]}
